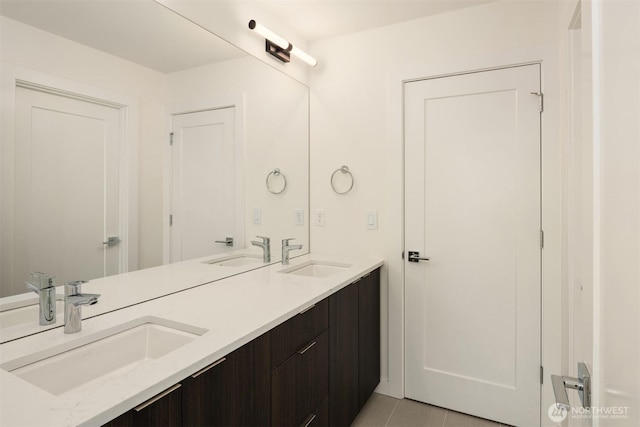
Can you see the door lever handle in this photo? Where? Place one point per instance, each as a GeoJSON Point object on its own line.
{"type": "Point", "coordinates": [414, 256]}
{"type": "Point", "coordinates": [582, 384]}
{"type": "Point", "coordinates": [227, 241]}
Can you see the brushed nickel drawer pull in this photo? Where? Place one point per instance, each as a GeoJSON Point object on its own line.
{"type": "Point", "coordinates": [156, 398]}
{"type": "Point", "coordinates": [206, 368]}
{"type": "Point", "coordinates": [304, 350]}
{"type": "Point", "coordinates": [309, 420]}
{"type": "Point", "coordinates": [307, 309]}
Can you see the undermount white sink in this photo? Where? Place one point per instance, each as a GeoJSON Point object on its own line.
{"type": "Point", "coordinates": [237, 261]}
{"type": "Point", "coordinates": [318, 269]}
{"type": "Point", "coordinates": [103, 355]}
{"type": "Point", "coordinates": [28, 313]}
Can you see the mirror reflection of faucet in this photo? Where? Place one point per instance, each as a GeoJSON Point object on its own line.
{"type": "Point", "coordinates": [73, 302]}
{"type": "Point", "coordinates": [286, 248]}
{"type": "Point", "coordinates": [43, 286]}
{"type": "Point", "coordinates": [266, 247]}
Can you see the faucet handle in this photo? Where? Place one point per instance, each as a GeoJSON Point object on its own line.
{"type": "Point", "coordinates": [285, 242]}
{"type": "Point", "coordinates": [73, 288]}
{"type": "Point", "coordinates": [265, 240]}
{"type": "Point", "coordinates": [44, 280]}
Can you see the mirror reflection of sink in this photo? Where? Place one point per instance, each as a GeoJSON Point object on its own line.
{"type": "Point", "coordinates": [319, 269]}
{"type": "Point", "coordinates": [238, 261]}
{"type": "Point", "coordinates": [28, 313]}
{"type": "Point", "coordinates": [102, 355]}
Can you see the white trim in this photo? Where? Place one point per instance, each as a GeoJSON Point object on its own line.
{"type": "Point", "coordinates": [14, 76]}
{"type": "Point", "coordinates": [552, 295]}
{"type": "Point", "coordinates": [596, 58]}
{"type": "Point", "coordinates": [236, 101]}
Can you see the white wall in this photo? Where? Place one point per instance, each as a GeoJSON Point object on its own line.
{"type": "Point", "coordinates": [616, 133]}
{"type": "Point", "coordinates": [356, 119]}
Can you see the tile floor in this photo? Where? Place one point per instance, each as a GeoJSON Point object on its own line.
{"type": "Point", "coordinates": [385, 411]}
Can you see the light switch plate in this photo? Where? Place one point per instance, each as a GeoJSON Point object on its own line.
{"type": "Point", "coordinates": [318, 217]}
{"type": "Point", "coordinates": [372, 219]}
{"type": "Point", "coordinates": [257, 216]}
{"type": "Point", "coordinates": [299, 216]}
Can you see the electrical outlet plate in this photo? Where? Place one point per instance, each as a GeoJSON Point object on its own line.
{"type": "Point", "coordinates": [318, 217]}
{"type": "Point", "coordinates": [299, 216]}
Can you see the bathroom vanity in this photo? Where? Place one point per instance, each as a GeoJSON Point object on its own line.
{"type": "Point", "coordinates": [278, 345]}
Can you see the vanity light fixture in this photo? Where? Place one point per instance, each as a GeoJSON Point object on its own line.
{"type": "Point", "coordinates": [280, 47]}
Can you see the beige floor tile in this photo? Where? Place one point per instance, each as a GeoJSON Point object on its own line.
{"type": "Point", "coordinates": [456, 419]}
{"type": "Point", "coordinates": [409, 413]}
{"type": "Point", "coordinates": [376, 412]}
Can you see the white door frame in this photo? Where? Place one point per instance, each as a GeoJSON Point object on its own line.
{"type": "Point", "coordinates": [14, 76]}
{"type": "Point", "coordinates": [236, 101]}
{"type": "Point", "coordinates": [553, 295]}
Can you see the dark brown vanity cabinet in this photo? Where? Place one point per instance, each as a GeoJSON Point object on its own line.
{"type": "Point", "coordinates": [165, 409]}
{"type": "Point", "coordinates": [232, 391]}
{"type": "Point", "coordinates": [354, 347]}
{"type": "Point", "coordinates": [300, 376]}
{"type": "Point", "coordinates": [316, 369]}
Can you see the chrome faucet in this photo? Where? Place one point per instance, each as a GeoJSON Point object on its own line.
{"type": "Point", "coordinates": [286, 248]}
{"type": "Point", "coordinates": [47, 296]}
{"type": "Point", "coordinates": [73, 302]}
{"type": "Point", "coordinates": [266, 247]}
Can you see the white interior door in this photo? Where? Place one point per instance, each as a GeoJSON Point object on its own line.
{"type": "Point", "coordinates": [204, 187]}
{"type": "Point", "coordinates": [66, 187]}
{"type": "Point", "coordinates": [472, 206]}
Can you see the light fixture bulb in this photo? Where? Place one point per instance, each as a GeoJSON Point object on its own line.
{"type": "Point", "coordinates": [304, 56]}
{"type": "Point", "coordinates": [269, 35]}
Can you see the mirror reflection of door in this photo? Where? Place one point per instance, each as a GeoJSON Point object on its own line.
{"type": "Point", "coordinates": [203, 204]}
{"type": "Point", "coordinates": [65, 202]}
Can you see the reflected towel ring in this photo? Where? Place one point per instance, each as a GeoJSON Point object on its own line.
{"type": "Point", "coordinates": [274, 173]}
{"type": "Point", "coordinates": [345, 170]}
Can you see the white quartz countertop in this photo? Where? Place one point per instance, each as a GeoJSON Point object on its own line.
{"type": "Point", "coordinates": [234, 310]}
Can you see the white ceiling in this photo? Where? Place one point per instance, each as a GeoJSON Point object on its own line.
{"type": "Point", "coordinates": [144, 32]}
{"type": "Point", "coordinates": [320, 19]}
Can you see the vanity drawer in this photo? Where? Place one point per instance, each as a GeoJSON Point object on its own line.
{"type": "Point", "coordinates": [293, 334]}
{"type": "Point", "coordinates": [300, 385]}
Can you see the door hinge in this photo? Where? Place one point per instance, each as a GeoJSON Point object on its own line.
{"type": "Point", "coordinates": [541, 375]}
{"type": "Point", "coordinates": [540, 96]}
{"type": "Point", "coordinates": [170, 220]}
{"type": "Point", "coordinates": [541, 239]}
{"type": "Point", "coordinates": [171, 138]}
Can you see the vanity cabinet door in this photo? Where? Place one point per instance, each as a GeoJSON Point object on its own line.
{"type": "Point", "coordinates": [343, 356]}
{"type": "Point", "coordinates": [354, 352]}
{"type": "Point", "coordinates": [299, 386]}
{"type": "Point", "coordinates": [163, 410]}
{"type": "Point", "coordinates": [233, 391]}
{"type": "Point", "coordinates": [368, 336]}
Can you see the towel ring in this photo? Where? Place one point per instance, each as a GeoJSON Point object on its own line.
{"type": "Point", "coordinates": [345, 170]}
{"type": "Point", "coordinates": [274, 173]}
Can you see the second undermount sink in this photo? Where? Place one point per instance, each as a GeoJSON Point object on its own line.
{"type": "Point", "coordinates": [100, 356]}
{"type": "Point", "coordinates": [318, 269]}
